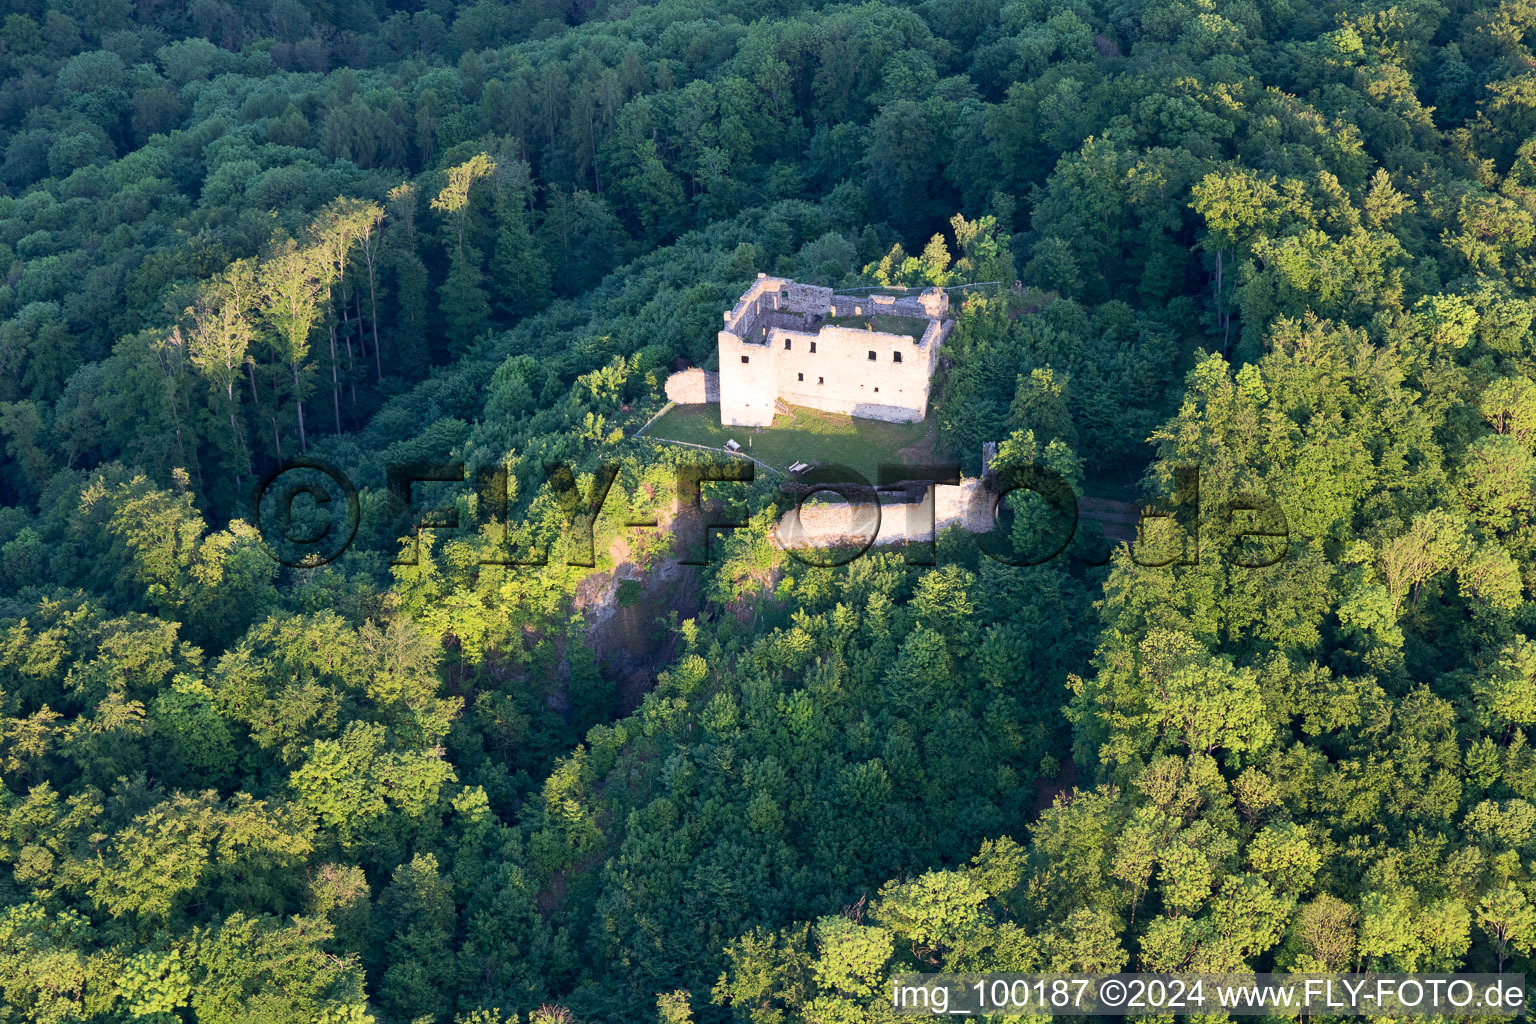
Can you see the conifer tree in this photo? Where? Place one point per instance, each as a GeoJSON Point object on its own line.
{"type": "Point", "coordinates": [519, 273]}
{"type": "Point", "coordinates": [466, 311]}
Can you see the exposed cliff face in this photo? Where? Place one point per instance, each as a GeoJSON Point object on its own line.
{"type": "Point", "coordinates": [626, 610]}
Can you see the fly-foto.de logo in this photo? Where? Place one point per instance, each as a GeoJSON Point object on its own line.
{"type": "Point", "coordinates": [308, 512]}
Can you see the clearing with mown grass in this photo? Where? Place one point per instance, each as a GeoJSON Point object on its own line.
{"type": "Point", "coordinates": [804, 435]}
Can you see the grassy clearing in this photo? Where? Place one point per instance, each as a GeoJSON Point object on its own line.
{"type": "Point", "coordinates": [910, 326]}
{"type": "Point", "coordinates": [802, 435]}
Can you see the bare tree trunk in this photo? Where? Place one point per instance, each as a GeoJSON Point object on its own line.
{"type": "Point", "coordinates": [362, 341]}
{"type": "Point", "coordinates": [592, 141]}
{"type": "Point", "coordinates": [181, 446]}
{"type": "Point", "coordinates": [197, 466]}
{"type": "Point", "coordinates": [335, 381]}
{"type": "Point", "coordinates": [234, 429]}
{"type": "Point", "coordinates": [1222, 312]}
{"type": "Point", "coordinates": [278, 437]}
{"type": "Point", "coordinates": [373, 320]}
{"type": "Point", "coordinates": [299, 403]}
{"type": "Point", "coordinates": [346, 337]}
{"type": "Point", "coordinates": [565, 247]}
{"type": "Point", "coordinates": [255, 399]}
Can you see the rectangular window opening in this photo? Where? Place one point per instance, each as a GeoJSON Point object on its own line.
{"type": "Point", "coordinates": [799, 376]}
{"type": "Point", "coordinates": [897, 355]}
{"type": "Point", "coordinates": [821, 380]}
{"type": "Point", "coordinates": [872, 356]}
{"type": "Point", "coordinates": [745, 359]}
{"type": "Point", "coordinates": [813, 348]}
{"type": "Point", "coordinates": [786, 347]}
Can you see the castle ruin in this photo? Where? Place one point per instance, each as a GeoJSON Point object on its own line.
{"type": "Point", "coordinates": [870, 356]}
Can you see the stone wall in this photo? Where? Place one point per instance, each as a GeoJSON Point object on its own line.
{"type": "Point", "coordinates": [931, 303]}
{"type": "Point", "coordinates": [969, 505]}
{"type": "Point", "coordinates": [804, 298]}
{"type": "Point", "coordinates": [840, 377]}
{"type": "Point", "coordinates": [774, 294]}
{"type": "Point", "coordinates": [748, 381]}
{"type": "Point", "coordinates": [934, 336]}
{"type": "Point", "coordinates": [934, 302]}
{"type": "Point", "coordinates": [693, 387]}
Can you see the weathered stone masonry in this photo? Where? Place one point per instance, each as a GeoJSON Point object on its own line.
{"type": "Point", "coordinates": [693, 387]}
{"type": "Point", "coordinates": [775, 345]}
{"type": "Point", "coordinates": [971, 504]}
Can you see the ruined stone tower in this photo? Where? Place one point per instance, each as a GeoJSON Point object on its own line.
{"type": "Point", "coordinates": [804, 345]}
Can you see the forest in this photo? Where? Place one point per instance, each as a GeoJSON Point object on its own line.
{"type": "Point", "coordinates": [1290, 244]}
